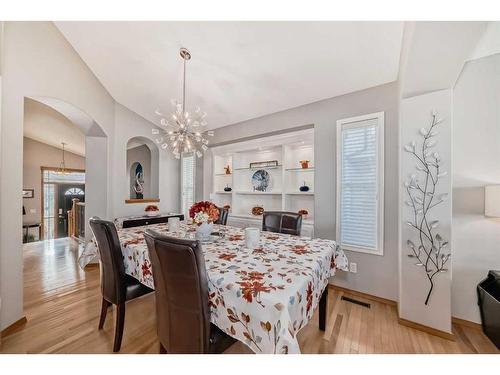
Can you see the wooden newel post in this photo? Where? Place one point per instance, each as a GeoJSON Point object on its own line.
{"type": "Point", "coordinates": [73, 219]}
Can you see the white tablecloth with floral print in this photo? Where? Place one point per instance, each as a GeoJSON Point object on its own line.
{"type": "Point", "coordinates": [262, 297]}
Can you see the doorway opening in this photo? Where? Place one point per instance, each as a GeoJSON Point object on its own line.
{"type": "Point", "coordinates": [63, 199]}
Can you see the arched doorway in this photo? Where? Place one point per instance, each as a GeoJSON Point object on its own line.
{"type": "Point", "coordinates": [96, 171]}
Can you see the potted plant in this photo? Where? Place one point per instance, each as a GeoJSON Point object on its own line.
{"type": "Point", "coordinates": [204, 214]}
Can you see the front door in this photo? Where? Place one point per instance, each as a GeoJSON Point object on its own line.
{"type": "Point", "coordinates": [65, 195]}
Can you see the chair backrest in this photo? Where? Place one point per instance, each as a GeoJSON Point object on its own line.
{"type": "Point", "coordinates": [282, 222]}
{"type": "Point", "coordinates": [223, 214]}
{"type": "Point", "coordinates": [112, 268]}
{"type": "Point", "coordinates": [181, 287]}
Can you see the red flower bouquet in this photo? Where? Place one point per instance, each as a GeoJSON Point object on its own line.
{"type": "Point", "coordinates": [204, 212]}
{"type": "Point", "coordinates": [151, 207]}
{"type": "Point", "coordinates": [152, 210]}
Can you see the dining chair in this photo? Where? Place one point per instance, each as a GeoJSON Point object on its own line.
{"type": "Point", "coordinates": [282, 222]}
{"type": "Point", "coordinates": [223, 214]}
{"type": "Point", "coordinates": [182, 306]}
{"type": "Point", "coordinates": [116, 286]}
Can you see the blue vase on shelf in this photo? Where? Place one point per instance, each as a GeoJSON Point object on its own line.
{"type": "Point", "coordinates": [304, 188]}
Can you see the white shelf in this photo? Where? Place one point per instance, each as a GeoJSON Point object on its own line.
{"type": "Point", "coordinates": [310, 169]}
{"type": "Point", "coordinates": [300, 193]}
{"type": "Point", "coordinates": [259, 192]}
{"type": "Point", "coordinates": [223, 192]}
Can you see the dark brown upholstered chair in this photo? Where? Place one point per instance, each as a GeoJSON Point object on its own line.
{"type": "Point", "coordinates": [181, 286]}
{"type": "Point", "coordinates": [282, 222]}
{"type": "Point", "coordinates": [223, 214]}
{"type": "Point", "coordinates": [116, 286]}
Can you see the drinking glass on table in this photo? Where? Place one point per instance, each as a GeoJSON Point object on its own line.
{"type": "Point", "coordinates": [252, 238]}
{"type": "Point", "coordinates": [173, 224]}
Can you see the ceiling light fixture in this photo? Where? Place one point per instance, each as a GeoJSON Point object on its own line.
{"type": "Point", "coordinates": [182, 131]}
{"type": "Point", "coordinates": [62, 166]}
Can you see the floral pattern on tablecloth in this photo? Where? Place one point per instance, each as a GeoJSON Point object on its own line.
{"type": "Point", "coordinates": [262, 297]}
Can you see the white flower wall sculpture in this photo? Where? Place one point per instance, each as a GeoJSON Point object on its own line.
{"type": "Point", "coordinates": [430, 250]}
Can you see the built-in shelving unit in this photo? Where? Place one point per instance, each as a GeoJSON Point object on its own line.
{"type": "Point", "coordinates": [286, 178]}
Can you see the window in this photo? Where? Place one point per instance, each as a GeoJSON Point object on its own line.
{"type": "Point", "coordinates": [360, 183]}
{"type": "Point", "coordinates": [188, 175]}
{"type": "Point", "coordinates": [74, 191]}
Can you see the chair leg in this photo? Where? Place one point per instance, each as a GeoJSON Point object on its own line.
{"type": "Point", "coordinates": [120, 321]}
{"type": "Point", "coordinates": [104, 311]}
{"type": "Point", "coordinates": [162, 349]}
{"type": "Point", "coordinates": [323, 307]}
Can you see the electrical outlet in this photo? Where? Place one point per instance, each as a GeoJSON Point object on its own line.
{"type": "Point", "coordinates": [353, 267]}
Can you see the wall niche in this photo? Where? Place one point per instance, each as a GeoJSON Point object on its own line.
{"type": "Point", "coordinates": [142, 170]}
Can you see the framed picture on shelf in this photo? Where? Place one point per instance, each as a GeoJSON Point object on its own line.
{"type": "Point", "coordinates": [28, 193]}
{"type": "Point", "coordinates": [264, 164]}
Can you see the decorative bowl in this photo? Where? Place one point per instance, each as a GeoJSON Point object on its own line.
{"type": "Point", "coordinates": [304, 188]}
{"type": "Point", "coordinates": [257, 210]}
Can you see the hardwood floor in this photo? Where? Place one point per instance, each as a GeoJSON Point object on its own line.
{"type": "Point", "coordinates": [62, 305]}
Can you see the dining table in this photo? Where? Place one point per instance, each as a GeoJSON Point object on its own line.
{"type": "Point", "coordinates": [262, 296]}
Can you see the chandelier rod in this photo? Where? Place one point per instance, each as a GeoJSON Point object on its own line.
{"type": "Point", "coordinates": [184, 89]}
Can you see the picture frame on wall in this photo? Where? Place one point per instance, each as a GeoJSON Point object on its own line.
{"type": "Point", "coordinates": [264, 164]}
{"type": "Point", "coordinates": [28, 193]}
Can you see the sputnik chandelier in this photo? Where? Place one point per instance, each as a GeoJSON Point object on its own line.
{"type": "Point", "coordinates": [182, 131]}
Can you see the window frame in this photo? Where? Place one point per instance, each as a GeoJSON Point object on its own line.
{"type": "Point", "coordinates": [351, 123]}
{"type": "Point", "coordinates": [183, 155]}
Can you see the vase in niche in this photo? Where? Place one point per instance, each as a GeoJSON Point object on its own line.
{"type": "Point", "coordinates": [304, 188]}
{"type": "Point", "coordinates": [227, 188]}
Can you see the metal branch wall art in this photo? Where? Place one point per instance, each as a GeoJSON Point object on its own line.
{"type": "Point", "coordinates": [430, 250]}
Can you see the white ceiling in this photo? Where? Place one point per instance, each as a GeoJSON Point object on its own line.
{"type": "Point", "coordinates": [239, 70]}
{"type": "Point", "coordinates": [437, 53]}
{"type": "Point", "coordinates": [46, 125]}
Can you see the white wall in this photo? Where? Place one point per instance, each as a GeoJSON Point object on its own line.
{"type": "Point", "coordinates": [39, 62]}
{"type": "Point", "coordinates": [130, 125]}
{"type": "Point", "coordinates": [413, 283]}
{"type": "Point", "coordinates": [377, 275]}
{"type": "Point", "coordinates": [476, 163]}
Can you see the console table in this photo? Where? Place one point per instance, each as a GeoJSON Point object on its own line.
{"type": "Point", "coordinates": [26, 228]}
{"type": "Point", "coordinates": [137, 221]}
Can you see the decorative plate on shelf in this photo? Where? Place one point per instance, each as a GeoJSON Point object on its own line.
{"type": "Point", "coordinates": [261, 180]}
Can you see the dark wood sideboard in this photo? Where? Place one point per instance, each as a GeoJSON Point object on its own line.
{"type": "Point", "coordinates": [148, 220]}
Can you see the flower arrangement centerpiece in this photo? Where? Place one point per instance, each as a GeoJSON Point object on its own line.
{"type": "Point", "coordinates": [204, 214]}
{"type": "Point", "coordinates": [152, 210]}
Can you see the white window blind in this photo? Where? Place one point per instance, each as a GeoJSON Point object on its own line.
{"type": "Point", "coordinates": [360, 183]}
{"type": "Point", "coordinates": [188, 178]}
